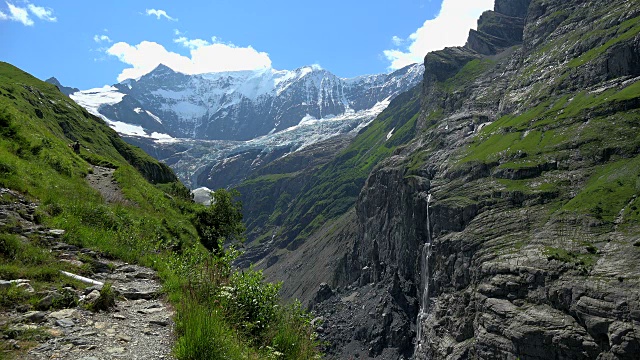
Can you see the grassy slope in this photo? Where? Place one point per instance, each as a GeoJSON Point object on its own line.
{"type": "Point", "coordinates": [38, 123]}
{"type": "Point", "coordinates": [154, 228]}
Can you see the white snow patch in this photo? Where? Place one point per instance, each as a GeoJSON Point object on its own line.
{"type": "Point", "coordinates": [160, 136]}
{"type": "Point", "coordinates": [168, 140]}
{"type": "Point", "coordinates": [311, 130]}
{"type": "Point", "coordinates": [92, 99]}
{"type": "Point", "coordinates": [390, 134]}
{"type": "Point", "coordinates": [173, 95]}
{"type": "Point", "coordinates": [127, 129]}
{"type": "Point", "coordinates": [187, 110]}
{"type": "Point", "coordinates": [481, 126]}
{"type": "Point", "coordinates": [153, 116]}
{"type": "Point", "coordinates": [308, 120]}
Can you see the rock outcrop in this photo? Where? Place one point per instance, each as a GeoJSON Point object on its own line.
{"type": "Point", "coordinates": [499, 29]}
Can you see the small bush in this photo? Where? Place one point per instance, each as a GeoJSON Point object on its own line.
{"type": "Point", "coordinates": [66, 300]}
{"type": "Point", "coordinates": [220, 222]}
{"type": "Point", "coordinates": [31, 255]}
{"type": "Point", "coordinates": [251, 301]}
{"type": "Point", "coordinates": [62, 165]}
{"type": "Point", "coordinates": [176, 189]}
{"type": "Point", "coordinates": [7, 127]}
{"type": "Point", "coordinates": [98, 160]}
{"type": "Point", "coordinates": [53, 209]}
{"type": "Point", "coordinates": [6, 169]}
{"type": "Point", "coordinates": [9, 246]}
{"type": "Point", "coordinates": [13, 295]}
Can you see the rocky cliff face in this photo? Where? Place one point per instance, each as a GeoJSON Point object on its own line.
{"type": "Point", "coordinates": [522, 178]}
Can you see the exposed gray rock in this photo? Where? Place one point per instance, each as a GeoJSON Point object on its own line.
{"type": "Point", "coordinates": [57, 233]}
{"type": "Point", "coordinates": [65, 323]}
{"type": "Point", "coordinates": [34, 316]}
{"type": "Point", "coordinates": [63, 314]}
{"type": "Point", "coordinates": [48, 301]}
{"type": "Point", "coordinates": [324, 292]}
{"type": "Point", "coordinates": [91, 297]}
{"type": "Point", "coordinates": [160, 322]}
{"type": "Point", "coordinates": [134, 294]}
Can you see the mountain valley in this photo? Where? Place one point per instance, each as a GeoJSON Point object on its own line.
{"type": "Point", "coordinates": [482, 205]}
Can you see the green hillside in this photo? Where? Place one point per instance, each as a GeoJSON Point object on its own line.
{"type": "Point", "coordinates": [38, 122]}
{"type": "Point", "coordinates": [154, 225]}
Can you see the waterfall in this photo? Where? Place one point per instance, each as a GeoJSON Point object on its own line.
{"type": "Point", "coordinates": [424, 280]}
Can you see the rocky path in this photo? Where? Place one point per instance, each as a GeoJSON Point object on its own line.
{"type": "Point", "coordinates": [140, 326]}
{"type": "Point", "coordinates": [102, 180]}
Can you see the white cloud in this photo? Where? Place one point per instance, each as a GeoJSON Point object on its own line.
{"type": "Point", "coordinates": [397, 41]}
{"type": "Point", "coordinates": [102, 38]}
{"type": "Point", "coordinates": [159, 14]}
{"type": "Point", "coordinates": [42, 13]}
{"type": "Point", "coordinates": [19, 14]}
{"type": "Point", "coordinates": [192, 43]}
{"type": "Point", "coordinates": [205, 57]}
{"type": "Point", "coordinates": [449, 28]}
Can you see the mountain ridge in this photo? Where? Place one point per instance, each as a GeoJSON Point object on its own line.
{"type": "Point", "coordinates": [243, 105]}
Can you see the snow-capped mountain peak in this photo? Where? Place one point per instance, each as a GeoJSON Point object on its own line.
{"type": "Point", "coordinates": [240, 105]}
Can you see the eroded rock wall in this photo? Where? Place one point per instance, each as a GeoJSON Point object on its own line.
{"type": "Point", "coordinates": [526, 263]}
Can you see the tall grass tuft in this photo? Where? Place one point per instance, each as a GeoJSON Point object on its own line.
{"type": "Point", "coordinates": [205, 334]}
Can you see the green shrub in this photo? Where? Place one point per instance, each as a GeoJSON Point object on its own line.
{"type": "Point", "coordinates": [13, 295]}
{"type": "Point", "coordinates": [252, 301]}
{"type": "Point", "coordinates": [106, 301]}
{"type": "Point", "coordinates": [9, 246]}
{"type": "Point", "coordinates": [220, 222]}
{"type": "Point", "coordinates": [98, 160]}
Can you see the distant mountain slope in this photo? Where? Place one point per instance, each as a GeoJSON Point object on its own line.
{"type": "Point", "coordinates": [288, 199]}
{"type": "Point", "coordinates": [198, 123]}
{"type": "Point", "coordinates": [64, 89]}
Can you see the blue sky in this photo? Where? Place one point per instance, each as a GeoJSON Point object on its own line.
{"type": "Point", "coordinates": [89, 44]}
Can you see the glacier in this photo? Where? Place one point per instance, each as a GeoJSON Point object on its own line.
{"type": "Point", "coordinates": [210, 117]}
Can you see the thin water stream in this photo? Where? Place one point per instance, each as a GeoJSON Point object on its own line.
{"type": "Point", "coordinates": [424, 280]}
